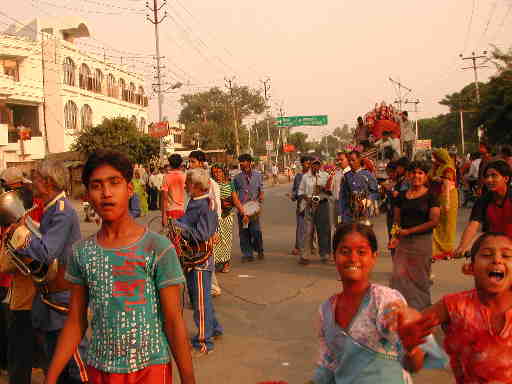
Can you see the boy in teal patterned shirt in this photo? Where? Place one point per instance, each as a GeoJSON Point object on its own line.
{"type": "Point", "coordinates": [131, 279]}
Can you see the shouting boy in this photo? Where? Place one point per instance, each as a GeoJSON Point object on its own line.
{"type": "Point", "coordinates": [131, 279]}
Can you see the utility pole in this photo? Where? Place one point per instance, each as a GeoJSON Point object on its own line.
{"type": "Point", "coordinates": [461, 117]}
{"type": "Point", "coordinates": [400, 86]}
{"type": "Point", "coordinates": [266, 89]}
{"type": "Point", "coordinates": [156, 20]}
{"type": "Point", "coordinates": [230, 86]}
{"type": "Point", "coordinates": [475, 68]}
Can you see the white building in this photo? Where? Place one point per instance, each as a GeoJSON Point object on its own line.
{"type": "Point", "coordinates": [50, 86]}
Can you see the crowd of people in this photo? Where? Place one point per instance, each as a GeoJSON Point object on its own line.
{"type": "Point", "coordinates": [125, 281]}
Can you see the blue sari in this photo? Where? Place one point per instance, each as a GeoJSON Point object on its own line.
{"type": "Point", "coordinates": [366, 352]}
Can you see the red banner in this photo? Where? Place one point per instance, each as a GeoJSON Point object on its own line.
{"type": "Point", "coordinates": [160, 129]}
{"type": "Point", "coordinates": [289, 148]}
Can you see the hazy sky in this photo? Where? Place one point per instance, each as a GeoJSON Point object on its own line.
{"type": "Point", "coordinates": [324, 57]}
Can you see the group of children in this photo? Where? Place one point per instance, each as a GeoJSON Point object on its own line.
{"type": "Point", "coordinates": [130, 278]}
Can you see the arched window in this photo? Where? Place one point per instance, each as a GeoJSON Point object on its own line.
{"type": "Point", "coordinates": [70, 115]}
{"type": "Point", "coordinates": [133, 120]}
{"type": "Point", "coordinates": [142, 125]}
{"type": "Point", "coordinates": [85, 79]}
{"type": "Point", "coordinates": [111, 86]}
{"type": "Point", "coordinates": [69, 71]}
{"type": "Point", "coordinates": [131, 97]}
{"type": "Point", "coordinates": [86, 116]}
{"type": "Point", "coordinates": [122, 89]}
{"type": "Point", "coordinates": [98, 80]}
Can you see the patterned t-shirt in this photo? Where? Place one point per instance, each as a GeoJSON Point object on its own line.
{"type": "Point", "coordinates": [127, 324]}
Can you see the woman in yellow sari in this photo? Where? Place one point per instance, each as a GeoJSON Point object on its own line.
{"type": "Point", "coordinates": [444, 177]}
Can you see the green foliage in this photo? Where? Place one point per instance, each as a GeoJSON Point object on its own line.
{"type": "Point", "coordinates": [496, 101]}
{"type": "Point", "coordinates": [121, 135]}
{"type": "Point", "coordinates": [494, 112]}
{"type": "Point", "coordinates": [344, 134]}
{"type": "Point", "coordinates": [212, 115]}
{"type": "Point", "coordinates": [299, 140]}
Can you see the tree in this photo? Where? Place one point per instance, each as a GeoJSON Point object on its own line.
{"type": "Point", "coordinates": [299, 140]}
{"type": "Point", "coordinates": [496, 100]}
{"type": "Point", "coordinates": [213, 114]}
{"type": "Point", "coordinates": [344, 134]}
{"type": "Point", "coordinates": [118, 134]}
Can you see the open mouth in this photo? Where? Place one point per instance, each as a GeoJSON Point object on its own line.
{"type": "Point", "coordinates": [352, 268]}
{"type": "Point", "coordinates": [496, 276]}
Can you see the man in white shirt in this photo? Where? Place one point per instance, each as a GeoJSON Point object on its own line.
{"type": "Point", "coordinates": [275, 174]}
{"type": "Point", "coordinates": [314, 201]}
{"type": "Point", "coordinates": [334, 184]}
{"type": "Point", "coordinates": [154, 183]}
{"type": "Point", "coordinates": [392, 143]}
{"type": "Point", "coordinates": [407, 134]}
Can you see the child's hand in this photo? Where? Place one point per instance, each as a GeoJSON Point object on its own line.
{"type": "Point", "coordinates": [411, 326]}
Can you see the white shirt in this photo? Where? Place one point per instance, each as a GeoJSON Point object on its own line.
{"type": "Point", "coordinates": [309, 182]}
{"type": "Point", "coordinates": [407, 132]}
{"type": "Point", "coordinates": [275, 170]}
{"type": "Point", "coordinates": [156, 181]}
{"type": "Point", "coordinates": [214, 194]}
{"type": "Point", "coordinates": [390, 142]}
{"type": "Point", "coordinates": [336, 181]}
{"type": "Point", "coordinates": [473, 169]}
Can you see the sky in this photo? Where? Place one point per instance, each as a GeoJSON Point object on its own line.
{"type": "Point", "coordinates": [332, 57]}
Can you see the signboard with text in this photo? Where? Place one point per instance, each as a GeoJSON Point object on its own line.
{"type": "Point", "coordinates": [298, 121]}
{"type": "Point", "coordinates": [160, 129]}
{"type": "Point", "coordinates": [422, 145]}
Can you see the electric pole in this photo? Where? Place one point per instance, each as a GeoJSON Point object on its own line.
{"type": "Point", "coordinates": [475, 68]}
{"type": "Point", "coordinates": [230, 85]}
{"type": "Point", "coordinates": [400, 86]}
{"type": "Point", "coordinates": [415, 102]}
{"type": "Point", "coordinates": [156, 20]}
{"type": "Point", "coordinates": [266, 89]}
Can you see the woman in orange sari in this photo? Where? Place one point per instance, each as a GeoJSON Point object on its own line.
{"type": "Point", "coordinates": [443, 175]}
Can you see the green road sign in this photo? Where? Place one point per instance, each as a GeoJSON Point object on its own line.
{"type": "Point", "coordinates": [297, 121]}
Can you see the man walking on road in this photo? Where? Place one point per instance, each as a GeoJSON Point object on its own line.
{"type": "Point", "coordinates": [315, 204]}
{"type": "Point", "coordinates": [248, 187]}
{"type": "Point", "coordinates": [334, 184]}
{"type": "Point", "coordinates": [305, 162]}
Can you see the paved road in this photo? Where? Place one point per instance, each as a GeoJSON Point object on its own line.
{"type": "Point", "coordinates": [268, 308]}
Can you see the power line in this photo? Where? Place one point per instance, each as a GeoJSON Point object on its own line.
{"type": "Point", "coordinates": [79, 9]}
{"type": "Point", "coordinates": [470, 23]}
{"type": "Point", "coordinates": [491, 14]}
{"type": "Point", "coordinates": [475, 68]}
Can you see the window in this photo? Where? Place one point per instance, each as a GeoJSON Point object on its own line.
{"type": "Point", "coordinates": [85, 78]}
{"type": "Point", "coordinates": [142, 125]}
{"type": "Point", "coordinates": [140, 96]}
{"type": "Point", "coordinates": [131, 97]}
{"type": "Point", "coordinates": [70, 115]}
{"type": "Point", "coordinates": [69, 71]}
{"type": "Point", "coordinates": [122, 89]}
{"type": "Point", "coordinates": [177, 139]}
{"type": "Point", "coordinates": [98, 80]}
{"type": "Point", "coordinates": [111, 86]}
{"type": "Point", "coordinates": [86, 116]}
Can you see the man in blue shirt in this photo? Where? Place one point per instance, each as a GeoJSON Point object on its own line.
{"type": "Point", "coordinates": [305, 162]}
{"type": "Point", "coordinates": [248, 186]}
{"type": "Point", "coordinates": [60, 229]}
{"type": "Point", "coordinates": [199, 224]}
{"type": "Point", "coordinates": [357, 181]}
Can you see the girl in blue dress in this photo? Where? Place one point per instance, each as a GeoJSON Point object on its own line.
{"type": "Point", "coordinates": [356, 346]}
